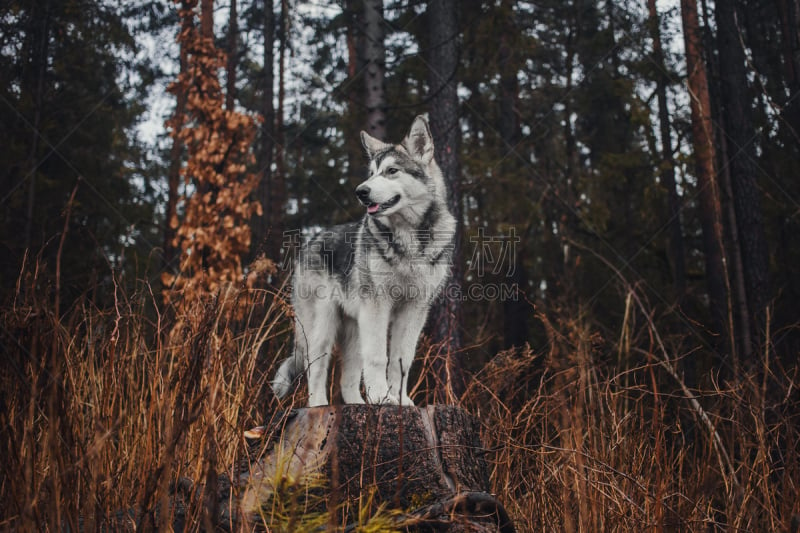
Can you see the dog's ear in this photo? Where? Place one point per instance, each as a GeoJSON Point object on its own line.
{"type": "Point", "coordinates": [419, 141]}
{"type": "Point", "coordinates": [373, 145]}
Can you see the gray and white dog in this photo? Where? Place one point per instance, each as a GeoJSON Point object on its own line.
{"type": "Point", "coordinates": [370, 284]}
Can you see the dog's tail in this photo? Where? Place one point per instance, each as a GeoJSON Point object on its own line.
{"type": "Point", "coordinates": [285, 376]}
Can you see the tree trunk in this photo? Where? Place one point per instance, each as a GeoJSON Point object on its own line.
{"type": "Point", "coordinates": [739, 133]}
{"type": "Point", "coordinates": [566, 220]}
{"type": "Point", "coordinates": [173, 180]}
{"type": "Point", "coordinates": [233, 56]}
{"type": "Point", "coordinates": [264, 239]}
{"type": "Point", "coordinates": [207, 33]}
{"type": "Point", "coordinates": [737, 309]}
{"type": "Point", "coordinates": [668, 161]}
{"type": "Point", "coordinates": [790, 19]}
{"type": "Point", "coordinates": [516, 310]}
{"type": "Point", "coordinates": [40, 31]}
{"type": "Point", "coordinates": [444, 116]}
{"type": "Point", "coordinates": [354, 91]}
{"type": "Point", "coordinates": [426, 462]}
{"type": "Point", "coordinates": [790, 30]}
{"type": "Point", "coordinates": [739, 317]}
{"type": "Point", "coordinates": [375, 55]}
{"type": "Point", "coordinates": [738, 297]}
{"type": "Point", "coordinates": [207, 18]}
{"type": "Point", "coordinates": [175, 156]}
{"type": "Point", "coordinates": [277, 187]}
{"type": "Point", "coordinates": [708, 188]}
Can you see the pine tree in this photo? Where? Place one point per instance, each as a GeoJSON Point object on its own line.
{"type": "Point", "coordinates": [704, 155]}
{"type": "Point", "coordinates": [175, 124]}
{"type": "Point", "coordinates": [66, 117]}
{"type": "Point", "coordinates": [739, 134]}
{"type": "Point", "coordinates": [516, 309]}
{"type": "Point", "coordinates": [444, 122]}
{"type": "Point", "coordinates": [676, 246]}
{"type": "Point", "coordinates": [375, 59]}
{"type": "Point", "coordinates": [277, 186]}
{"type": "Point", "coordinates": [233, 55]}
{"type": "Point", "coordinates": [265, 228]}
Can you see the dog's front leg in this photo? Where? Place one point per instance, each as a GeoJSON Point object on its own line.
{"type": "Point", "coordinates": [407, 324]}
{"type": "Point", "coordinates": [352, 366]}
{"type": "Point", "coordinates": [373, 332]}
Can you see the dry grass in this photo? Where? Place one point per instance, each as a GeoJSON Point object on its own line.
{"type": "Point", "coordinates": [104, 412]}
{"type": "Point", "coordinates": [596, 436]}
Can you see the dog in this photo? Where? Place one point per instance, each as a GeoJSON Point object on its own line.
{"type": "Point", "coordinates": [370, 284]}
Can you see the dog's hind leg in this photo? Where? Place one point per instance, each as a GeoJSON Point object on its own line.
{"type": "Point", "coordinates": [352, 364]}
{"type": "Point", "coordinates": [407, 324]}
{"type": "Point", "coordinates": [294, 365]}
{"type": "Point", "coordinates": [287, 372]}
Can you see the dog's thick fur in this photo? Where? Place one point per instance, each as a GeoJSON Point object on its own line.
{"type": "Point", "coordinates": [369, 284]}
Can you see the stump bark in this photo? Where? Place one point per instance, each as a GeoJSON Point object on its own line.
{"type": "Point", "coordinates": [425, 463]}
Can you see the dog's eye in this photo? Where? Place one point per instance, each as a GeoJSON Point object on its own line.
{"type": "Point", "coordinates": [392, 170]}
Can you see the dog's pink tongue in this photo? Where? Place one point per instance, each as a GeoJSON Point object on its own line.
{"type": "Point", "coordinates": [373, 208]}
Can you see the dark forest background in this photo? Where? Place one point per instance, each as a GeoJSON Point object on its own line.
{"type": "Point", "coordinates": [568, 123]}
{"type": "Point", "coordinates": [631, 168]}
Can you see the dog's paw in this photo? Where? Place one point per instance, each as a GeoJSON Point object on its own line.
{"type": "Point", "coordinates": [353, 400]}
{"type": "Point", "coordinates": [317, 400]}
{"type": "Point", "coordinates": [385, 398]}
{"type": "Point", "coordinates": [406, 401]}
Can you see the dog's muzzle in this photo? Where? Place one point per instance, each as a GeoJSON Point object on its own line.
{"type": "Point", "coordinates": [373, 208]}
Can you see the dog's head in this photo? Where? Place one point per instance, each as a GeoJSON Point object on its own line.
{"type": "Point", "coordinates": [401, 177]}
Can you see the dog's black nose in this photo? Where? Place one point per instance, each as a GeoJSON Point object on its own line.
{"type": "Point", "coordinates": [362, 191]}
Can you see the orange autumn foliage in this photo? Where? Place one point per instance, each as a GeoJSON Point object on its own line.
{"type": "Point", "coordinates": [213, 233]}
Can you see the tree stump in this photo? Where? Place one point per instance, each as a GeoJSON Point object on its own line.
{"type": "Point", "coordinates": [425, 464]}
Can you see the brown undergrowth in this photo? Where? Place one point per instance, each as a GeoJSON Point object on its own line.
{"type": "Point", "coordinates": [598, 435]}
{"type": "Point", "coordinates": [106, 413]}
